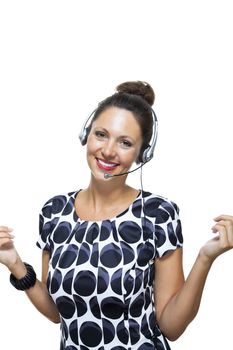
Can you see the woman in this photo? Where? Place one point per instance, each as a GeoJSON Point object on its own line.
{"type": "Point", "coordinates": [112, 255]}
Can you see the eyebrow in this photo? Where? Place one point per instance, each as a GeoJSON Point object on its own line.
{"type": "Point", "coordinates": [122, 136]}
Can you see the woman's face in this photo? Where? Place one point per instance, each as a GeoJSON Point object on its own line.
{"type": "Point", "coordinates": [114, 142]}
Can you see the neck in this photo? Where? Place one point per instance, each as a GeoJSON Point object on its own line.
{"type": "Point", "coordinates": [107, 190]}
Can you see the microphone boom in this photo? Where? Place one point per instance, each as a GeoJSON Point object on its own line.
{"type": "Point", "coordinates": [107, 176]}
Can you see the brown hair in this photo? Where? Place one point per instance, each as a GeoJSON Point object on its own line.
{"type": "Point", "coordinates": [136, 97]}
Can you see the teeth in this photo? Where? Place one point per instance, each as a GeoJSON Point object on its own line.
{"type": "Point", "coordinates": [106, 164]}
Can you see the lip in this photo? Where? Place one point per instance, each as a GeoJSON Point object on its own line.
{"type": "Point", "coordinates": [105, 167]}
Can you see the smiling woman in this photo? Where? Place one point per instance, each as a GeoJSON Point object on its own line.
{"type": "Point", "coordinates": [112, 255]}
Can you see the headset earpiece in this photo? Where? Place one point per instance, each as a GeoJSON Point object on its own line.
{"type": "Point", "coordinates": [85, 130]}
{"type": "Point", "coordinates": [83, 137]}
{"type": "Point", "coordinates": [148, 153]}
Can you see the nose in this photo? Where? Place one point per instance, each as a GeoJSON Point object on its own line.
{"type": "Point", "coordinates": [109, 149]}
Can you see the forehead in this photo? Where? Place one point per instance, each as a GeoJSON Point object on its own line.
{"type": "Point", "coordinates": [118, 120]}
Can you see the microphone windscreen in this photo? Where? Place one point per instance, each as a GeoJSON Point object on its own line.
{"type": "Point", "coordinates": [107, 176]}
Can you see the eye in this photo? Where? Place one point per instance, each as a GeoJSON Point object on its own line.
{"type": "Point", "coordinates": [126, 143]}
{"type": "Point", "coordinates": [100, 134]}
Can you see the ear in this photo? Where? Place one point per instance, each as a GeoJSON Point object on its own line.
{"type": "Point", "coordinates": [139, 157]}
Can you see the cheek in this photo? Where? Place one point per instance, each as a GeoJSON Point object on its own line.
{"type": "Point", "coordinates": [129, 157]}
{"type": "Point", "coordinates": [90, 153]}
{"type": "Point", "coordinates": [92, 145]}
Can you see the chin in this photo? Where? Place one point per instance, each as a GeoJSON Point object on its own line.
{"type": "Point", "coordinates": [97, 173]}
{"type": "Point", "coordinates": [98, 176]}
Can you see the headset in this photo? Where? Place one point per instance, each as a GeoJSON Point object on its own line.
{"type": "Point", "coordinates": [147, 154]}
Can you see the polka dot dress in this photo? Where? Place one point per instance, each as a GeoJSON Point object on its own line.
{"type": "Point", "coordinates": [101, 274]}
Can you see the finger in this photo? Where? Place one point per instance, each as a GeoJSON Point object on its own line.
{"type": "Point", "coordinates": [224, 217]}
{"type": "Point", "coordinates": [225, 223]}
{"type": "Point", "coordinates": [6, 229]}
{"type": "Point", "coordinates": [223, 237]}
{"type": "Point", "coordinates": [227, 227]}
{"type": "Point", "coordinates": [4, 241]}
{"type": "Point", "coordinates": [6, 235]}
{"type": "Point", "coordinates": [216, 228]}
{"type": "Point", "coordinates": [229, 231]}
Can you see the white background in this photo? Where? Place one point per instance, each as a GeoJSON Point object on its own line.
{"type": "Point", "coordinates": [58, 60]}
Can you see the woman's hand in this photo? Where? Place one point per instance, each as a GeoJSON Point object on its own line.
{"type": "Point", "coordinates": [223, 241]}
{"type": "Point", "coordinates": [8, 253]}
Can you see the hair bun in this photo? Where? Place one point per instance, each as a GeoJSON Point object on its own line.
{"type": "Point", "coordinates": [140, 88]}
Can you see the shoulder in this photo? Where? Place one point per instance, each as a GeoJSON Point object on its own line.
{"type": "Point", "coordinates": [164, 213]}
{"type": "Point", "coordinates": [57, 203]}
{"type": "Point", "coordinates": [156, 205]}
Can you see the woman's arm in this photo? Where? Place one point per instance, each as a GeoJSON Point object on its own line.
{"type": "Point", "coordinates": [38, 294]}
{"type": "Point", "coordinates": [178, 301]}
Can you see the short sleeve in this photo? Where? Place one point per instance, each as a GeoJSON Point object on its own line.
{"type": "Point", "coordinates": [45, 219]}
{"type": "Point", "coordinates": [168, 230]}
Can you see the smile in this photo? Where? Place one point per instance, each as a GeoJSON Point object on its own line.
{"type": "Point", "coordinates": [106, 165]}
